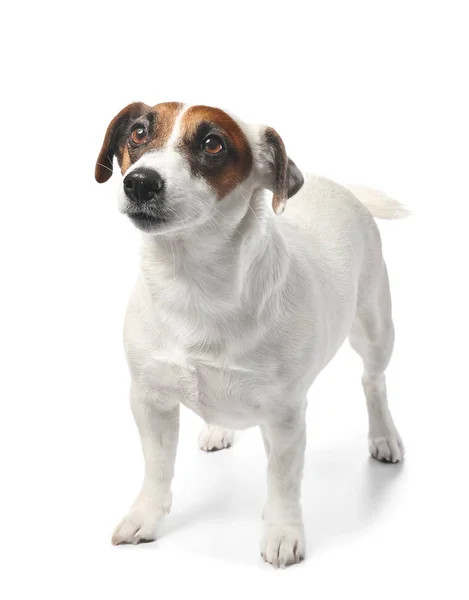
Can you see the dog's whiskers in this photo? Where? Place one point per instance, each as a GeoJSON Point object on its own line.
{"type": "Point", "coordinates": [104, 166]}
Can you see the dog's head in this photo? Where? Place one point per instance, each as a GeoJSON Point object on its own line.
{"type": "Point", "coordinates": [180, 163]}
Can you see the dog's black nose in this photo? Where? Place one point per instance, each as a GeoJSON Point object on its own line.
{"type": "Point", "coordinates": [143, 185]}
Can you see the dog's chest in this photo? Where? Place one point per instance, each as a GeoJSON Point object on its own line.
{"type": "Point", "coordinates": [226, 396]}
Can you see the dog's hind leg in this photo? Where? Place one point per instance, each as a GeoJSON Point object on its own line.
{"type": "Point", "coordinates": [372, 337]}
{"type": "Point", "coordinates": [213, 438]}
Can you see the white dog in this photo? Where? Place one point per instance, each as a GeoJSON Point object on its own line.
{"type": "Point", "coordinates": [237, 310]}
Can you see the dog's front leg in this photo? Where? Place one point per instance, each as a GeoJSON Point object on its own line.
{"type": "Point", "coordinates": [283, 541]}
{"type": "Point", "coordinates": [158, 425]}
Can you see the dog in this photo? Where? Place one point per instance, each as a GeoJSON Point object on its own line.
{"type": "Point", "coordinates": [237, 309]}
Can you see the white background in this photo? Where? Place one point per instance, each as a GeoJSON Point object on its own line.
{"type": "Point", "coordinates": [362, 92]}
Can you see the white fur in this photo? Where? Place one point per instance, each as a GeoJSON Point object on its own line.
{"type": "Point", "coordinates": [380, 205]}
{"type": "Point", "coordinates": [215, 438]}
{"type": "Point", "coordinates": [235, 313]}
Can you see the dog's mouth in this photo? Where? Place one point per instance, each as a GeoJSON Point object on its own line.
{"type": "Point", "coordinates": [145, 221]}
{"type": "Point", "coordinates": [145, 217]}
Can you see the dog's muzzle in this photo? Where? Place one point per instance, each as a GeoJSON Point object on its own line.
{"type": "Point", "coordinates": [143, 185]}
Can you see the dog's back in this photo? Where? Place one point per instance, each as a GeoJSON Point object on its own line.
{"type": "Point", "coordinates": [331, 230]}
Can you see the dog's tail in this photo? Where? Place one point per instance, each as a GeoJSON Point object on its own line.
{"type": "Point", "coordinates": [379, 205]}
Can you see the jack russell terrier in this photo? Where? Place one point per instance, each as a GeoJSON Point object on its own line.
{"type": "Point", "coordinates": [237, 310]}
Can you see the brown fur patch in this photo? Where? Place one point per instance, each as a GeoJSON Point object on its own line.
{"type": "Point", "coordinates": [160, 120]}
{"type": "Point", "coordinates": [112, 143]}
{"type": "Point", "coordinates": [286, 178]}
{"type": "Point", "coordinates": [166, 114]}
{"type": "Point", "coordinates": [236, 165]}
{"type": "Point", "coordinates": [126, 162]}
{"type": "Point", "coordinates": [280, 166]}
{"type": "Point", "coordinates": [162, 117]}
{"type": "Point", "coordinates": [222, 172]}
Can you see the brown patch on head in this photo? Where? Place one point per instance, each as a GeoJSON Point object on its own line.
{"type": "Point", "coordinates": [165, 117]}
{"type": "Point", "coordinates": [126, 162]}
{"type": "Point", "coordinates": [159, 124]}
{"type": "Point", "coordinates": [225, 170]}
{"type": "Point", "coordinates": [157, 121]}
{"type": "Point", "coordinates": [115, 138]}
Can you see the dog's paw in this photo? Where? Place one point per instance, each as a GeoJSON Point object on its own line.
{"type": "Point", "coordinates": [389, 449]}
{"type": "Point", "coordinates": [213, 438]}
{"type": "Point", "coordinates": [140, 524]}
{"type": "Point", "coordinates": [283, 545]}
{"type": "Point", "coordinates": [134, 529]}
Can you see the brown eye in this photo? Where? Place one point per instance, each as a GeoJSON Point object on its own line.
{"type": "Point", "coordinates": [138, 136]}
{"type": "Point", "coordinates": [212, 144]}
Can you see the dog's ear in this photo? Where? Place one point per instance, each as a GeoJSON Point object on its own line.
{"type": "Point", "coordinates": [279, 173]}
{"type": "Point", "coordinates": [113, 142]}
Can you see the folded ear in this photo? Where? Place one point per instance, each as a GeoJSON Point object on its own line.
{"type": "Point", "coordinates": [279, 173]}
{"type": "Point", "coordinates": [112, 144]}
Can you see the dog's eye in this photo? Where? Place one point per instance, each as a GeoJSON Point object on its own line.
{"type": "Point", "coordinates": [138, 136]}
{"type": "Point", "coordinates": [212, 144]}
